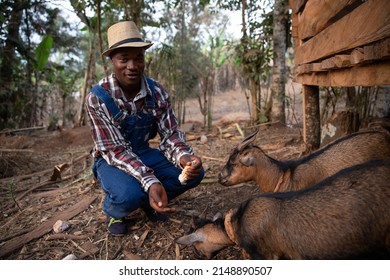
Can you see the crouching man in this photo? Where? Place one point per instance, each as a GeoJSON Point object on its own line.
{"type": "Point", "coordinates": [125, 110]}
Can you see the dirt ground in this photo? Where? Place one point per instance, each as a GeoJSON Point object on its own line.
{"type": "Point", "coordinates": [34, 197]}
{"type": "Point", "coordinates": [46, 176]}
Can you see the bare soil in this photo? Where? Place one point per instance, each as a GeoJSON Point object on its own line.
{"type": "Point", "coordinates": [44, 176]}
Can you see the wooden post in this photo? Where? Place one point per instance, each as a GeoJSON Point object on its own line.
{"type": "Point", "coordinates": [311, 117]}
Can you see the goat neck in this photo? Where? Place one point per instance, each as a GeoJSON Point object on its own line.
{"type": "Point", "coordinates": [229, 227]}
{"type": "Point", "coordinates": [269, 175]}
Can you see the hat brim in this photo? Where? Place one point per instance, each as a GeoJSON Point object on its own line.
{"type": "Point", "coordinates": [128, 45]}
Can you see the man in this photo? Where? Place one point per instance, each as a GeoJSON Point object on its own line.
{"type": "Point", "coordinates": [125, 110]}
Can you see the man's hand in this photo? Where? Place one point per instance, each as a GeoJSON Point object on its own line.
{"type": "Point", "coordinates": [158, 199]}
{"type": "Point", "coordinates": [194, 164]}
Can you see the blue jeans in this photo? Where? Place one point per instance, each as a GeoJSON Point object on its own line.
{"type": "Point", "coordinates": [124, 193]}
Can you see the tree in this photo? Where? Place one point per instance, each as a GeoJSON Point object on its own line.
{"type": "Point", "coordinates": [90, 71]}
{"type": "Point", "coordinates": [186, 63]}
{"type": "Point", "coordinates": [253, 51]}
{"type": "Point", "coordinates": [215, 58]}
{"type": "Point", "coordinates": [31, 32]}
{"type": "Point", "coordinates": [280, 31]}
{"type": "Point", "coordinates": [8, 58]}
{"type": "Point", "coordinates": [176, 64]}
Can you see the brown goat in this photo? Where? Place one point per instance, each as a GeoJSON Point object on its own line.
{"type": "Point", "coordinates": [346, 216]}
{"type": "Point", "coordinates": [249, 162]}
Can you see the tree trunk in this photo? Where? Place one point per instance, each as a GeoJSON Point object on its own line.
{"type": "Point", "coordinates": [243, 11]}
{"type": "Point", "coordinates": [87, 83]}
{"type": "Point", "coordinates": [205, 104]}
{"type": "Point", "coordinates": [9, 60]}
{"type": "Point", "coordinates": [254, 112]}
{"type": "Point", "coordinates": [100, 41]}
{"type": "Point", "coordinates": [210, 93]}
{"type": "Point", "coordinates": [311, 121]}
{"type": "Point", "coordinates": [279, 67]}
{"type": "Point", "coordinates": [135, 11]}
{"type": "Point", "coordinates": [63, 97]}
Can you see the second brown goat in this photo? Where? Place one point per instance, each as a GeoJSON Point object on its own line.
{"type": "Point", "coordinates": [249, 162]}
{"type": "Point", "coordinates": [346, 216]}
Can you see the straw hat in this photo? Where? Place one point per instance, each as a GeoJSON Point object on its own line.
{"type": "Point", "coordinates": [124, 34]}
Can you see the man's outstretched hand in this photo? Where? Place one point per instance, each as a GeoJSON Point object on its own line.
{"type": "Point", "coordinates": [158, 199]}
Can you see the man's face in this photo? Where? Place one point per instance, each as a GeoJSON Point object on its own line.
{"type": "Point", "coordinates": [128, 65]}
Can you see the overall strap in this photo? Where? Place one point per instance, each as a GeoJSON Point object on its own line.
{"type": "Point", "coordinates": [151, 85]}
{"type": "Point", "coordinates": [150, 102]}
{"type": "Point", "coordinates": [100, 92]}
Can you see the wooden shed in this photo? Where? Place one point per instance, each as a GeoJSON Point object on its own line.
{"type": "Point", "coordinates": [341, 43]}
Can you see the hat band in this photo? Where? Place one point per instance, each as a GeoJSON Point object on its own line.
{"type": "Point", "coordinates": [129, 40]}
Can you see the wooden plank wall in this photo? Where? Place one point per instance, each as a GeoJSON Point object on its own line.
{"type": "Point", "coordinates": [342, 43]}
{"type": "Point", "coordinates": [337, 42]}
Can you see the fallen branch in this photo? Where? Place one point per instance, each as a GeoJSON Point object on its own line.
{"type": "Point", "coordinates": [39, 173]}
{"type": "Point", "coordinates": [46, 183]}
{"type": "Point", "coordinates": [14, 235]}
{"type": "Point", "coordinates": [51, 204]}
{"type": "Point", "coordinates": [239, 129]}
{"type": "Point", "coordinates": [177, 252]}
{"type": "Point", "coordinates": [45, 227]}
{"type": "Point", "coordinates": [16, 151]}
{"type": "Point", "coordinates": [26, 129]}
{"type": "Point", "coordinates": [51, 193]}
{"type": "Point", "coordinates": [209, 181]}
{"type": "Point", "coordinates": [66, 236]}
{"type": "Point", "coordinates": [9, 208]}
{"type": "Point", "coordinates": [212, 158]}
{"type": "Point", "coordinates": [49, 182]}
{"type": "Point", "coordinates": [89, 250]}
{"type": "Point", "coordinates": [142, 239]}
{"type": "Point", "coordinates": [27, 176]}
{"type": "Point", "coordinates": [263, 124]}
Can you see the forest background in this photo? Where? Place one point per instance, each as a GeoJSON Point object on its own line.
{"type": "Point", "coordinates": [50, 56]}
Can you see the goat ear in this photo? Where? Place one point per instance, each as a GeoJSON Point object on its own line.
{"type": "Point", "coordinates": [190, 239]}
{"type": "Point", "coordinates": [249, 139]}
{"type": "Point", "coordinates": [248, 161]}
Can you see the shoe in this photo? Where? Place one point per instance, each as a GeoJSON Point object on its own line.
{"type": "Point", "coordinates": [156, 217]}
{"type": "Point", "coordinates": [116, 227]}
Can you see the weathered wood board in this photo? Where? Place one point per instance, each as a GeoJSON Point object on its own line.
{"type": "Point", "coordinates": [343, 43]}
{"type": "Point", "coordinates": [366, 24]}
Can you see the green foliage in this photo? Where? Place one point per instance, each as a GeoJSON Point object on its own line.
{"type": "Point", "coordinates": [253, 52]}
{"type": "Point", "coordinates": [50, 52]}
{"type": "Point", "coordinates": [218, 55]}
{"type": "Point", "coordinates": [40, 37]}
{"type": "Point", "coordinates": [177, 61]}
{"type": "Point", "coordinates": [42, 52]}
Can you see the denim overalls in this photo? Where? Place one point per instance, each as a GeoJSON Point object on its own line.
{"type": "Point", "coordinates": [124, 193]}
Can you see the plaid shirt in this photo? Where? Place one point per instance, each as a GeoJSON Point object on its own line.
{"type": "Point", "coordinates": [109, 142]}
